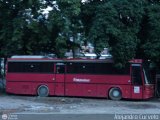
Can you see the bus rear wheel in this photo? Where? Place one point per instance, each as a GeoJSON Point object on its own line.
{"type": "Point", "coordinates": [43, 91]}
{"type": "Point", "coordinates": [115, 94]}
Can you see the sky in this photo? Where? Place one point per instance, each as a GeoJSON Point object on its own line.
{"type": "Point", "coordinates": [48, 9]}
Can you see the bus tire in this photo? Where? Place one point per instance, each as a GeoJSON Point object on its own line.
{"type": "Point", "coordinates": [115, 94]}
{"type": "Point", "coordinates": [43, 91]}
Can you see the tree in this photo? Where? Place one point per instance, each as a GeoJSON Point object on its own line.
{"type": "Point", "coordinates": [150, 31]}
{"type": "Point", "coordinates": [129, 28]}
{"type": "Point", "coordinates": [70, 11]}
{"type": "Point", "coordinates": [63, 25]}
{"type": "Point", "coordinates": [116, 25]}
{"type": "Point", "coordinates": [14, 18]}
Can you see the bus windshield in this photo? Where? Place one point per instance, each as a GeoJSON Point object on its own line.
{"type": "Point", "coordinates": [147, 76]}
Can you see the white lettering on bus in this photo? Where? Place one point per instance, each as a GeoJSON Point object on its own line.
{"type": "Point", "coordinates": [81, 80]}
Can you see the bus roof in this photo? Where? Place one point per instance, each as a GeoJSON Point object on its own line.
{"type": "Point", "coordinates": [57, 60]}
{"type": "Point", "coordinates": [109, 60]}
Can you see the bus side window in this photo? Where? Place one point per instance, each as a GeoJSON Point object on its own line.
{"type": "Point", "coordinates": [136, 75]}
{"type": "Point", "coordinates": [60, 69]}
{"type": "Point", "coordinates": [31, 67]}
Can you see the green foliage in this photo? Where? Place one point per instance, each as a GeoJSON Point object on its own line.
{"type": "Point", "coordinates": [151, 45]}
{"type": "Point", "coordinates": [70, 11]}
{"type": "Point", "coordinates": [129, 28]}
{"type": "Point", "coordinates": [70, 7]}
{"type": "Point", "coordinates": [116, 25]}
{"type": "Point", "coordinates": [61, 46]}
{"type": "Point", "coordinates": [13, 24]}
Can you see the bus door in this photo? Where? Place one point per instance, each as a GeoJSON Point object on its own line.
{"type": "Point", "coordinates": [60, 79]}
{"type": "Point", "coordinates": [137, 83]}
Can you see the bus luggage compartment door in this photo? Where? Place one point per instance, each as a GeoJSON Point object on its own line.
{"type": "Point", "coordinates": [137, 83]}
{"type": "Point", "coordinates": [60, 79]}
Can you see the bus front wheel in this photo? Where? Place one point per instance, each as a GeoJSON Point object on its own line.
{"type": "Point", "coordinates": [43, 91]}
{"type": "Point", "coordinates": [115, 94]}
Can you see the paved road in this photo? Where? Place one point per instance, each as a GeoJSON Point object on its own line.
{"type": "Point", "coordinates": [81, 117]}
{"type": "Point", "coordinates": [59, 117]}
{"type": "Point", "coordinates": [14, 107]}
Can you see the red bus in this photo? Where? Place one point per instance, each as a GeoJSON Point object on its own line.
{"type": "Point", "coordinates": [78, 77]}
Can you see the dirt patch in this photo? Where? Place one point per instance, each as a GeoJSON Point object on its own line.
{"type": "Point", "coordinates": [51, 100]}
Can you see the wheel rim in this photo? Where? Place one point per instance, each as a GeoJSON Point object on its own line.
{"type": "Point", "coordinates": [116, 93]}
{"type": "Point", "coordinates": [43, 91]}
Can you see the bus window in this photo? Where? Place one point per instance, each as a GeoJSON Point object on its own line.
{"type": "Point", "coordinates": [136, 74]}
{"type": "Point", "coordinates": [147, 76]}
{"type": "Point", "coordinates": [30, 67]}
{"type": "Point", "coordinates": [60, 68]}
